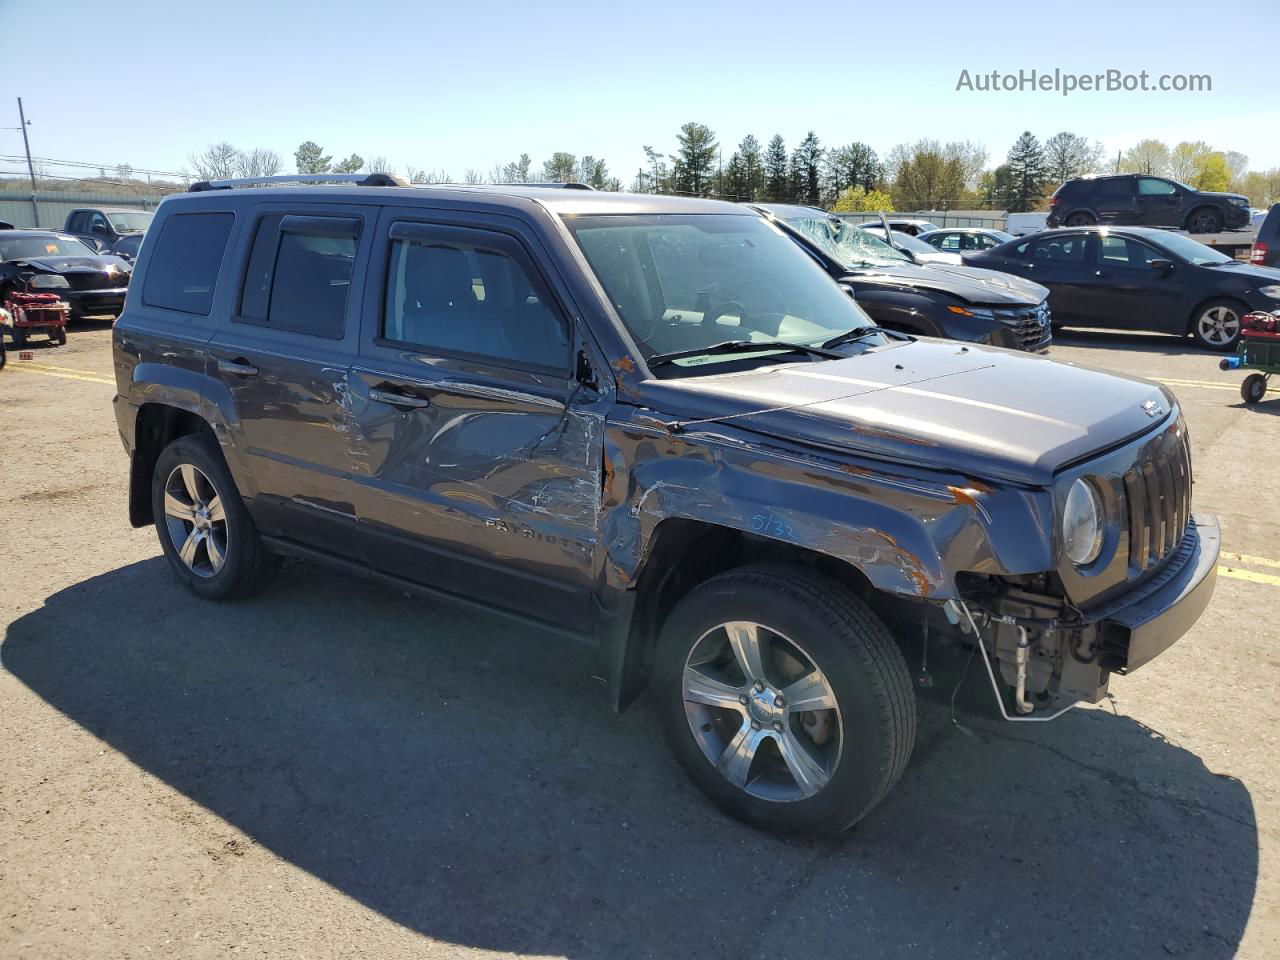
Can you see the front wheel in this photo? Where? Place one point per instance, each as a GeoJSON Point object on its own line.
{"type": "Point", "coordinates": [19, 335]}
{"type": "Point", "coordinates": [785, 699]}
{"type": "Point", "coordinates": [205, 530]}
{"type": "Point", "coordinates": [1254, 388]}
{"type": "Point", "coordinates": [1216, 324]}
{"type": "Point", "coordinates": [1204, 220]}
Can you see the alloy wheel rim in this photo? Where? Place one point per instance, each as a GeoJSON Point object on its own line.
{"type": "Point", "coordinates": [762, 712]}
{"type": "Point", "coordinates": [196, 520]}
{"type": "Point", "coordinates": [1219, 325]}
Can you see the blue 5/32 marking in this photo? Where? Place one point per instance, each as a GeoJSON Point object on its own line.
{"type": "Point", "coordinates": [769, 524]}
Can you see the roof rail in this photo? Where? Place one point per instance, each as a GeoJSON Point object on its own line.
{"type": "Point", "coordinates": [571, 185]}
{"type": "Point", "coordinates": [359, 179]}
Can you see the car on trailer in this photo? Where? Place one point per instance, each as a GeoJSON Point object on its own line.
{"type": "Point", "coordinates": [1139, 200]}
{"type": "Point", "coordinates": [655, 424]}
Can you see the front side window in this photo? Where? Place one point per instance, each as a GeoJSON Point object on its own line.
{"type": "Point", "coordinates": [950, 243]}
{"type": "Point", "coordinates": [684, 282]}
{"type": "Point", "coordinates": [1125, 252]}
{"type": "Point", "coordinates": [471, 293]}
{"type": "Point", "coordinates": [299, 273]}
{"type": "Point", "coordinates": [1151, 187]}
{"type": "Point", "coordinates": [184, 267]}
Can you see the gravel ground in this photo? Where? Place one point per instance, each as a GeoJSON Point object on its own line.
{"type": "Point", "coordinates": [333, 769]}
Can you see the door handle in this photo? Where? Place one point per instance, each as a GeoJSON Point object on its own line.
{"type": "Point", "coordinates": [239, 367]}
{"type": "Point", "coordinates": [391, 398]}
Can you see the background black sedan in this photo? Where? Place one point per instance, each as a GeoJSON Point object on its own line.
{"type": "Point", "coordinates": [38, 261]}
{"type": "Point", "coordinates": [1136, 278]}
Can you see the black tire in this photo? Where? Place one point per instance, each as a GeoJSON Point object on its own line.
{"type": "Point", "coordinates": [1204, 220]}
{"type": "Point", "coordinates": [19, 335]}
{"type": "Point", "coordinates": [58, 335]}
{"type": "Point", "coordinates": [1080, 218]}
{"type": "Point", "coordinates": [1254, 388]}
{"type": "Point", "coordinates": [847, 642]}
{"type": "Point", "coordinates": [1204, 321]}
{"type": "Point", "coordinates": [246, 564]}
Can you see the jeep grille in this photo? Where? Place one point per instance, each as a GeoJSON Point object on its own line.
{"type": "Point", "coordinates": [1158, 491]}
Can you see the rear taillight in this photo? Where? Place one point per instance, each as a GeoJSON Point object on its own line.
{"type": "Point", "coordinates": [1053, 201]}
{"type": "Point", "coordinates": [1259, 253]}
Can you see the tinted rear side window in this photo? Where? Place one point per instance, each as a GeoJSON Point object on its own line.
{"type": "Point", "coordinates": [184, 265]}
{"type": "Point", "coordinates": [299, 273]}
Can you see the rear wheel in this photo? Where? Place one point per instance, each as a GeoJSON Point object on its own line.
{"type": "Point", "coordinates": [19, 335]}
{"type": "Point", "coordinates": [1080, 219]}
{"type": "Point", "coordinates": [205, 530]}
{"type": "Point", "coordinates": [58, 335]}
{"type": "Point", "coordinates": [1204, 220]}
{"type": "Point", "coordinates": [785, 699]}
{"type": "Point", "coordinates": [1254, 388]}
{"type": "Point", "coordinates": [1216, 324]}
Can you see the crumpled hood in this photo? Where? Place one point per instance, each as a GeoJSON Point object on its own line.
{"type": "Point", "coordinates": [978, 411]}
{"type": "Point", "coordinates": [77, 264]}
{"type": "Point", "coordinates": [970, 284]}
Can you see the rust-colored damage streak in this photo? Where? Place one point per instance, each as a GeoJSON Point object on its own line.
{"type": "Point", "coordinates": [890, 435]}
{"type": "Point", "coordinates": [624, 365]}
{"type": "Point", "coordinates": [964, 496]}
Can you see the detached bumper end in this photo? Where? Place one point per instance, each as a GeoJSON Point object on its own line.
{"type": "Point", "coordinates": [1155, 621]}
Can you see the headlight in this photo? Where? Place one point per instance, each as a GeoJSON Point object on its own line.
{"type": "Point", "coordinates": [48, 280]}
{"type": "Point", "coordinates": [1272, 291]}
{"type": "Point", "coordinates": [1082, 524]}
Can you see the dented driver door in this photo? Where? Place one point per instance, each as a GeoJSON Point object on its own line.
{"type": "Point", "coordinates": [479, 466]}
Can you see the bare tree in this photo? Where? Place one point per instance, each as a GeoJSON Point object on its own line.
{"type": "Point", "coordinates": [219, 161]}
{"type": "Point", "coordinates": [472, 176]}
{"type": "Point", "coordinates": [379, 165]}
{"type": "Point", "coordinates": [428, 176]}
{"type": "Point", "coordinates": [258, 162]}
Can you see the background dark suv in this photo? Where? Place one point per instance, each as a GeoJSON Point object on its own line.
{"type": "Point", "coordinates": [1143, 201]}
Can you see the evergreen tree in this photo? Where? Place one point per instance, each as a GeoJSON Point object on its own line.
{"type": "Point", "coordinates": [776, 183]}
{"type": "Point", "coordinates": [853, 165]}
{"type": "Point", "coordinates": [735, 180]}
{"type": "Point", "coordinates": [693, 165]}
{"type": "Point", "coordinates": [807, 165]}
{"type": "Point", "coordinates": [752, 168]}
{"type": "Point", "coordinates": [311, 158]}
{"type": "Point", "coordinates": [1028, 172]}
{"type": "Point", "coordinates": [352, 164]}
{"type": "Point", "coordinates": [561, 168]}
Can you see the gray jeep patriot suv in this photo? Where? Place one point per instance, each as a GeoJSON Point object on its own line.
{"type": "Point", "coordinates": [656, 424]}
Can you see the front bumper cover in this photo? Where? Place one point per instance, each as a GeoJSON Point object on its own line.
{"type": "Point", "coordinates": [1138, 629]}
{"type": "Point", "coordinates": [88, 302]}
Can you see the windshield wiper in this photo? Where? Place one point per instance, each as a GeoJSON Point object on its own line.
{"type": "Point", "coordinates": [742, 346]}
{"type": "Point", "coordinates": [849, 336]}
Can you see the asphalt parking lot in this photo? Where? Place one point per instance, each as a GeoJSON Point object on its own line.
{"type": "Point", "coordinates": [332, 769]}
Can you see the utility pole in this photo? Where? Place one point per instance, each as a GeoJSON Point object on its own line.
{"type": "Point", "coordinates": [31, 170]}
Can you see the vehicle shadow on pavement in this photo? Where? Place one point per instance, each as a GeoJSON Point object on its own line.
{"type": "Point", "coordinates": [1164, 343]}
{"type": "Point", "coordinates": [466, 779]}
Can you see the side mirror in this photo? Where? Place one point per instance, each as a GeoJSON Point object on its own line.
{"type": "Point", "coordinates": [1161, 266]}
{"type": "Point", "coordinates": [849, 290]}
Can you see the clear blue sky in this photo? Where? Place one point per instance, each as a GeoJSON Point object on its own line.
{"type": "Point", "coordinates": [457, 85]}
